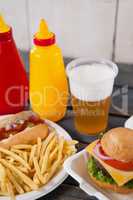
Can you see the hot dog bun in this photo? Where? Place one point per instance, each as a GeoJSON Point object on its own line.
{"type": "Point", "coordinates": [27, 136]}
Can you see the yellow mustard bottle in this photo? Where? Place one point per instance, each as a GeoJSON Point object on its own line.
{"type": "Point", "coordinates": [48, 81]}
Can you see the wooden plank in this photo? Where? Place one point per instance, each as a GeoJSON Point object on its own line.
{"type": "Point", "coordinates": [124, 37]}
{"type": "Point", "coordinates": [82, 29]}
{"type": "Point", "coordinates": [67, 192]}
{"type": "Point", "coordinates": [15, 13]}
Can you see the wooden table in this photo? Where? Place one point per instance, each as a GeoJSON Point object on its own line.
{"type": "Point", "coordinates": [69, 190]}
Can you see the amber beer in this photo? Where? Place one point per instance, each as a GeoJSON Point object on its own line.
{"type": "Point", "coordinates": [91, 85]}
{"type": "Point", "coordinates": [90, 117]}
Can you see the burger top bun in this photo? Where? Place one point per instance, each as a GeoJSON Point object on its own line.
{"type": "Point", "coordinates": [118, 144]}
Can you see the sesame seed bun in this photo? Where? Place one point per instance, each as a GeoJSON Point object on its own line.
{"type": "Point", "coordinates": [118, 144]}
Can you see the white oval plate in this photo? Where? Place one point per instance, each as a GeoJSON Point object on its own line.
{"type": "Point", "coordinates": [79, 172]}
{"type": "Point", "coordinates": [129, 123]}
{"type": "Point", "coordinates": [55, 181]}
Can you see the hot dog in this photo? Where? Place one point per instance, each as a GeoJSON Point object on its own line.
{"type": "Point", "coordinates": [27, 136]}
{"type": "Point", "coordinates": [13, 124]}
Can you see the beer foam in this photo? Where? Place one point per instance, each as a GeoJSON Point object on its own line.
{"type": "Point", "coordinates": [91, 82]}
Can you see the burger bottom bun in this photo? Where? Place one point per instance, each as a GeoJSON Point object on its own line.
{"type": "Point", "coordinates": [111, 187]}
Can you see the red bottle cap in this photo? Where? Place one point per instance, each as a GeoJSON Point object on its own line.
{"type": "Point", "coordinates": [5, 30]}
{"type": "Point", "coordinates": [6, 35]}
{"type": "Point", "coordinates": [44, 42]}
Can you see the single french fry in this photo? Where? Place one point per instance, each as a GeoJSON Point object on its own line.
{"type": "Point", "coordinates": [36, 179]}
{"type": "Point", "coordinates": [32, 154]}
{"type": "Point", "coordinates": [53, 155]}
{"type": "Point", "coordinates": [54, 168]}
{"type": "Point", "coordinates": [38, 171]}
{"type": "Point", "coordinates": [24, 177]}
{"type": "Point", "coordinates": [26, 188]}
{"type": "Point", "coordinates": [17, 151]}
{"type": "Point", "coordinates": [63, 159]}
{"type": "Point", "coordinates": [22, 146]}
{"type": "Point", "coordinates": [45, 178]}
{"type": "Point", "coordinates": [15, 156]}
{"type": "Point", "coordinates": [25, 156]}
{"type": "Point", "coordinates": [69, 147]}
{"type": "Point", "coordinates": [44, 146]}
{"type": "Point", "coordinates": [39, 145]}
{"type": "Point", "coordinates": [46, 155]}
{"type": "Point", "coordinates": [12, 179]}
{"type": "Point", "coordinates": [23, 169]}
{"type": "Point", "coordinates": [60, 151]}
{"type": "Point", "coordinates": [0, 155]}
{"type": "Point", "coordinates": [3, 178]}
{"type": "Point", "coordinates": [71, 142]}
{"type": "Point", "coordinates": [68, 152]}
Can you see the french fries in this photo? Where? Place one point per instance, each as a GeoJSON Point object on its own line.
{"type": "Point", "coordinates": [24, 177]}
{"type": "Point", "coordinates": [15, 156]}
{"type": "Point", "coordinates": [17, 186]}
{"type": "Point", "coordinates": [24, 168]}
{"type": "Point", "coordinates": [10, 189]}
{"type": "Point", "coordinates": [47, 154]}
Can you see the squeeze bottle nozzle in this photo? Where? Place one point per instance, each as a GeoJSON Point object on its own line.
{"type": "Point", "coordinates": [43, 31]}
{"type": "Point", "coordinates": [3, 26]}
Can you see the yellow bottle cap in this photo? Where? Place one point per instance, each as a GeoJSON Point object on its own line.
{"type": "Point", "coordinates": [3, 26]}
{"type": "Point", "coordinates": [43, 31]}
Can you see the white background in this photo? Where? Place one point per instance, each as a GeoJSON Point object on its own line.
{"type": "Point", "coordinates": [93, 28]}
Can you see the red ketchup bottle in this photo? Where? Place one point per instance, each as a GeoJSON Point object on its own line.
{"type": "Point", "coordinates": [13, 78]}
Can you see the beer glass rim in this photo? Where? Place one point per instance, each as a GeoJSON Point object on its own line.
{"type": "Point", "coordinates": [83, 61]}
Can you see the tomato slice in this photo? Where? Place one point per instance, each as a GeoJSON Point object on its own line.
{"type": "Point", "coordinates": [125, 166]}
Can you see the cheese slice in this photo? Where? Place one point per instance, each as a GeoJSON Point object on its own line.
{"type": "Point", "coordinates": [121, 177]}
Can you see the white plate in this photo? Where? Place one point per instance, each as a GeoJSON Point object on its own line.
{"type": "Point", "coordinates": [129, 123]}
{"type": "Point", "coordinates": [55, 181]}
{"type": "Point", "coordinates": [76, 166]}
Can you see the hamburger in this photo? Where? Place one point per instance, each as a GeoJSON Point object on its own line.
{"type": "Point", "coordinates": [110, 163]}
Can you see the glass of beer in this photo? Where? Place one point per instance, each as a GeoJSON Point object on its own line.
{"type": "Point", "coordinates": [91, 85]}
